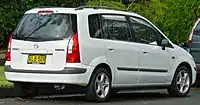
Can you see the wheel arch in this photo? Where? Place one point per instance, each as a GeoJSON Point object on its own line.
{"type": "Point", "coordinates": [101, 62]}
{"type": "Point", "coordinates": [182, 61]}
{"type": "Point", "coordinates": [105, 66]}
{"type": "Point", "coordinates": [186, 64]}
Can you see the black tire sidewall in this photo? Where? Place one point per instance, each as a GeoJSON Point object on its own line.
{"type": "Point", "coordinates": [173, 90]}
{"type": "Point", "coordinates": [91, 92]}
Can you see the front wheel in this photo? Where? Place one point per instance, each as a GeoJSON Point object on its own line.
{"type": "Point", "coordinates": [99, 86]}
{"type": "Point", "coordinates": [181, 83]}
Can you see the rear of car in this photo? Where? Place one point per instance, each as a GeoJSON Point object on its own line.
{"type": "Point", "coordinates": [44, 48]}
{"type": "Point", "coordinates": [62, 47]}
{"type": "Point", "coordinates": [194, 46]}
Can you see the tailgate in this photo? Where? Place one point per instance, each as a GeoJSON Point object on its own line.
{"type": "Point", "coordinates": [50, 55]}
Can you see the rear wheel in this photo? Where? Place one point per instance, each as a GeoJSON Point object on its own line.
{"type": "Point", "coordinates": [99, 86]}
{"type": "Point", "coordinates": [25, 91]}
{"type": "Point", "coordinates": [181, 83]}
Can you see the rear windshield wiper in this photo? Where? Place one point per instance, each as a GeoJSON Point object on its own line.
{"type": "Point", "coordinates": [44, 24]}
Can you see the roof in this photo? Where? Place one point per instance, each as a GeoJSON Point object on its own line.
{"type": "Point", "coordinates": [85, 10]}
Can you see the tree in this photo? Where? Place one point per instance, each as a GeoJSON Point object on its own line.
{"type": "Point", "coordinates": [111, 3]}
{"type": "Point", "coordinates": [180, 18]}
{"type": "Point", "coordinates": [11, 12]}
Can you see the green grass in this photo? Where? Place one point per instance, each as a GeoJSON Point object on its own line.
{"type": "Point", "coordinates": [3, 81]}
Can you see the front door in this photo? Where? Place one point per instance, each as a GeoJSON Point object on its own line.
{"type": "Point", "coordinates": [154, 61]}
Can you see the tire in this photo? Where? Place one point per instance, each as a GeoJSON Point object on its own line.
{"type": "Point", "coordinates": [102, 85]}
{"type": "Point", "coordinates": [25, 91]}
{"type": "Point", "coordinates": [182, 78]}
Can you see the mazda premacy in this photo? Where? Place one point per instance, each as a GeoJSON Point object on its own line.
{"type": "Point", "coordinates": [102, 50]}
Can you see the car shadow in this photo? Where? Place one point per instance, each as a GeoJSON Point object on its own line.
{"type": "Point", "coordinates": [119, 98]}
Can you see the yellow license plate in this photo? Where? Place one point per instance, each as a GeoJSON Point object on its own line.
{"type": "Point", "coordinates": [36, 59]}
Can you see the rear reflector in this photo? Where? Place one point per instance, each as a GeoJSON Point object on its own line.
{"type": "Point", "coordinates": [198, 71]}
{"type": "Point", "coordinates": [8, 50]}
{"type": "Point", "coordinates": [73, 54]}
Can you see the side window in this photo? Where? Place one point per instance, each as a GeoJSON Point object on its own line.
{"type": "Point", "coordinates": [143, 32]}
{"type": "Point", "coordinates": [115, 27]}
{"type": "Point", "coordinates": [94, 26]}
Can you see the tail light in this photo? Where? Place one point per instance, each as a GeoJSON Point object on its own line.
{"type": "Point", "coordinates": [73, 54]}
{"type": "Point", "coordinates": [198, 71]}
{"type": "Point", "coordinates": [8, 50]}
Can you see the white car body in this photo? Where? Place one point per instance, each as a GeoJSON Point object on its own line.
{"type": "Point", "coordinates": [131, 64]}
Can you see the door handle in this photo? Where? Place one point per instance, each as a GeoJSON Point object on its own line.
{"type": "Point", "coordinates": [110, 49]}
{"type": "Point", "coordinates": [144, 52]}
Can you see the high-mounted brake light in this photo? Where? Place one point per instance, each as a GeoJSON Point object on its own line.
{"type": "Point", "coordinates": [8, 50]}
{"type": "Point", "coordinates": [45, 11]}
{"type": "Point", "coordinates": [73, 54]}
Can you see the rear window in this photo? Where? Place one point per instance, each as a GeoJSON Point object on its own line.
{"type": "Point", "coordinates": [196, 34]}
{"type": "Point", "coordinates": [46, 27]}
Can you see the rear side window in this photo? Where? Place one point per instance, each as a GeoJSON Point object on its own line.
{"type": "Point", "coordinates": [94, 26]}
{"type": "Point", "coordinates": [115, 27]}
{"type": "Point", "coordinates": [46, 27]}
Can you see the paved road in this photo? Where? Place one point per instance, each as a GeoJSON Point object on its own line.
{"type": "Point", "coordinates": [135, 98]}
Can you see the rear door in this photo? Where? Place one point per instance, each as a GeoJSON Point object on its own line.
{"type": "Point", "coordinates": [121, 53]}
{"type": "Point", "coordinates": [194, 43]}
{"type": "Point", "coordinates": [40, 41]}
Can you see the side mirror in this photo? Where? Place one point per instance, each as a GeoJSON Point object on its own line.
{"type": "Point", "coordinates": [164, 43]}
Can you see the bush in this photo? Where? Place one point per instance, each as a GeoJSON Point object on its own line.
{"type": "Point", "coordinates": [174, 18]}
{"type": "Point", "coordinates": [12, 10]}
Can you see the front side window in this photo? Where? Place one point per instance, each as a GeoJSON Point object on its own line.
{"type": "Point", "coordinates": [143, 32]}
{"type": "Point", "coordinates": [115, 27]}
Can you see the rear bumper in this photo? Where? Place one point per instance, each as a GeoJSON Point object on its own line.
{"type": "Point", "coordinates": [70, 75]}
{"type": "Point", "coordinates": [66, 70]}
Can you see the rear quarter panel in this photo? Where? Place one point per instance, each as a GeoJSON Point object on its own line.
{"type": "Point", "coordinates": [92, 50]}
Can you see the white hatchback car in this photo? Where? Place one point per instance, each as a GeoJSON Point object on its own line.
{"type": "Point", "coordinates": [101, 49]}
